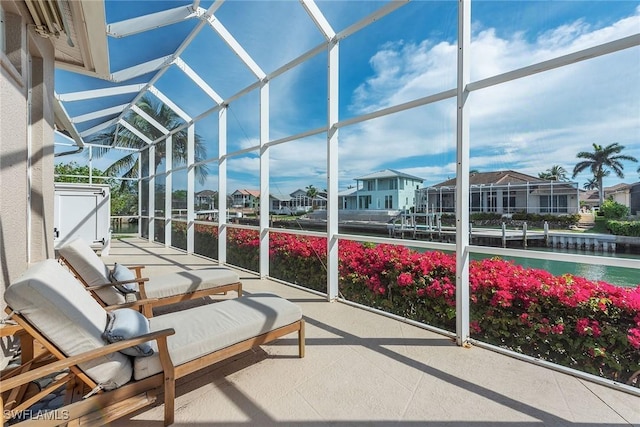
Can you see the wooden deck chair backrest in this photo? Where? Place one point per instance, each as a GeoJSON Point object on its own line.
{"type": "Point", "coordinates": [90, 269]}
{"type": "Point", "coordinates": [64, 313]}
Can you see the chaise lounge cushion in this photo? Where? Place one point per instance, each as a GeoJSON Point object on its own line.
{"type": "Point", "coordinates": [184, 282]}
{"type": "Point", "coordinates": [94, 272]}
{"type": "Point", "coordinates": [205, 329]}
{"type": "Point", "coordinates": [56, 304]}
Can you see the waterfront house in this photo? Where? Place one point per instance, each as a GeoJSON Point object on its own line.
{"type": "Point", "coordinates": [296, 202]}
{"type": "Point", "coordinates": [634, 199]}
{"type": "Point", "coordinates": [206, 199]}
{"type": "Point", "coordinates": [387, 189]}
{"type": "Point", "coordinates": [503, 192]}
{"type": "Point", "coordinates": [625, 194]}
{"type": "Point", "coordinates": [243, 198]}
{"type": "Point", "coordinates": [620, 193]}
{"type": "Point", "coordinates": [348, 199]}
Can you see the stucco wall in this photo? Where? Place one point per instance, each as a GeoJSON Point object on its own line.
{"type": "Point", "coordinates": [26, 162]}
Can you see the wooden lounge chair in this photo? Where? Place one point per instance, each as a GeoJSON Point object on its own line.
{"type": "Point", "coordinates": [83, 262]}
{"type": "Point", "coordinates": [56, 310]}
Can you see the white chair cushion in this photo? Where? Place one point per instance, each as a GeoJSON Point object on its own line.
{"type": "Point", "coordinates": [208, 328]}
{"type": "Point", "coordinates": [91, 268]}
{"type": "Point", "coordinates": [189, 281]}
{"type": "Point", "coordinates": [59, 307]}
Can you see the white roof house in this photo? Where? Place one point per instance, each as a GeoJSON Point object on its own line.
{"type": "Point", "coordinates": [387, 189]}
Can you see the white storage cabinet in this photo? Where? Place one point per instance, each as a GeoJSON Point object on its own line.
{"type": "Point", "coordinates": [83, 210]}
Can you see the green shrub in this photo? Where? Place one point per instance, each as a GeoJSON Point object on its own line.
{"type": "Point", "coordinates": [624, 228]}
{"type": "Point", "coordinates": [614, 210]}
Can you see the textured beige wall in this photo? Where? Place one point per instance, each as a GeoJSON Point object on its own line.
{"type": "Point", "coordinates": [17, 203]}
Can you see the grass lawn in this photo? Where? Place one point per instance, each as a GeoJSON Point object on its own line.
{"type": "Point", "coordinates": [600, 227]}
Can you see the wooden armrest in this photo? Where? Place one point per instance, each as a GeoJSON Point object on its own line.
{"type": "Point", "coordinates": [137, 269]}
{"type": "Point", "coordinates": [7, 329]}
{"type": "Point", "coordinates": [121, 282]}
{"type": "Point", "coordinates": [137, 303]}
{"type": "Point", "coordinates": [60, 365]}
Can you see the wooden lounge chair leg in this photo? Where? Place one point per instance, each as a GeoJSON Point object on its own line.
{"type": "Point", "coordinates": [169, 381]}
{"type": "Point", "coordinates": [239, 290]}
{"type": "Point", "coordinates": [301, 339]}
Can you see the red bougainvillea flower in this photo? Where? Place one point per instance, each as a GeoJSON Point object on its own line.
{"type": "Point", "coordinates": [405, 279]}
{"type": "Point", "coordinates": [634, 337]}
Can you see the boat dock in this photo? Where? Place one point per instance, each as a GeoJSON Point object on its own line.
{"type": "Point", "coordinates": [476, 235]}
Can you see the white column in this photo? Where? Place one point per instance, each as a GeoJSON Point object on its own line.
{"type": "Point", "coordinates": [191, 186]}
{"type": "Point", "coordinates": [152, 192]}
{"type": "Point", "coordinates": [264, 180]}
{"type": "Point", "coordinates": [333, 76]}
{"type": "Point", "coordinates": [222, 185]}
{"type": "Point", "coordinates": [462, 175]}
{"type": "Point", "coordinates": [140, 193]}
{"type": "Point", "coordinates": [168, 189]}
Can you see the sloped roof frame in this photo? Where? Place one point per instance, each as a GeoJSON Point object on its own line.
{"type": "Point", "coordinates": [172, 16]}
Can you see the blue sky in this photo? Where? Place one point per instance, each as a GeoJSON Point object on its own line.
{"type": "Point", "coordinates": [527, 125]}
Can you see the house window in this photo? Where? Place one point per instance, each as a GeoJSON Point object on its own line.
{"type": "Point", "coordinates": [559, 204]}
{"type": "Point", "coordinates": [371, 185]}
{"type": "Point", "coordinates": [393, 184]}
{"type": "Point", "coordinates": [509, 201]}
{"type": "Point", "coordinates": [364, 202]}
{"type": "Point", "coordinates": [492, 201]}
{"type": "Point", "coordinates": [388, 202]}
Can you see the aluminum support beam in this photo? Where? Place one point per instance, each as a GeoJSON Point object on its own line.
{"type": "Point", "coordinates": [333, 80]}
{"type": "Point", "coordinates": [222, 186]}
{"type": "Point", "coordinates": [236, 47]}
{"type": "Point", "coordinates": [99, 127]}
{"type": "Point", "coordinates": [198, 80]}
{"type": "Point", "coordinates": [168, 189]}
{"type": "Point", "coordinates": [99, 93]}
{"type": "Point", "coordinates": [153, 122]}
{"type": "Point", "coordinates": [462, 175]}
{"type": "Point", "coordinates": [151, 21]}
{"type": "Point", "coordinates": [169, 103]}
{"type": "Point", "coordinates": [318, 18]}
{"type": "Point", "coordinates": [264, 180]}
{"type": "Point", "coordinates": [152, 194]}
{"type": "Point", "coordinates": [191, 185]}
{"type": "Point", "coordinates": [98, 114]}
{"type": "Point", "coordinates": [141, 69]}
{"type": "Point", "coordinates": [383, 11]}
{"type": "Point", "coordinates": [61, 112]}
{"type": "Point", "coordinates": [136, 132]}
{"type": "Point", "coordinates": [560, 61]}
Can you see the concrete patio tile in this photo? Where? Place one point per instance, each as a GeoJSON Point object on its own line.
{"type": "Point", "coordinates": [354, 389]}
{"type": "Point", "coordinates": [627, 405]}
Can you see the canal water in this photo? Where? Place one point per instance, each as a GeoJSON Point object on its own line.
{"type": "Point", "coordinates": [620, 276]}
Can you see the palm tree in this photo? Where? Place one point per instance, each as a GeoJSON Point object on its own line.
{"type": "Point", "coordinates": [312, 192]}
{"type": "Point", "coordinates": [554, 173]}
{"type": "Point", "coordinates": [601, 159]}
{"type": "Point", "coordinates": [127, 166]}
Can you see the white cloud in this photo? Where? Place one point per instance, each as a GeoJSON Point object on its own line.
{"type": "Point", "coordinates": [528, 124]}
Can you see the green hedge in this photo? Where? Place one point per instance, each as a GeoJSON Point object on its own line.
{"type": "Point", "coordinates": [624, 228]}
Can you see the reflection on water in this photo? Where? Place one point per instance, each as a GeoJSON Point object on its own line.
{"type": "Point", "coordinates": [124, 225]}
